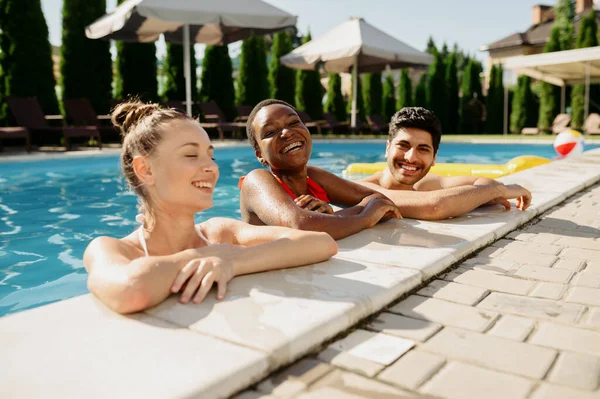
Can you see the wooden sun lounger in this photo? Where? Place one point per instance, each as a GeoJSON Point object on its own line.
{"type": "Point", "coordinates": [214, 118]}
{"type": "Point", "coordinates": [28, 113]}
{"type": "Point", "coordinates": [592, 124]}
{"type": "Point", "coordinates": [15, 133]}
{"type": "Point", "coordinates": [560, 123]}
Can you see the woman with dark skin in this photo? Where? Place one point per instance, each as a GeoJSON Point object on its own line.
{"type": "Point", "coordinates": [294, 194]}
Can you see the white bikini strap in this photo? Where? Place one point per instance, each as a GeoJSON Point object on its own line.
{"type": "Point", "coordinates": [140, 219]}
{"type": "Point", "coordinates": [202, 235]}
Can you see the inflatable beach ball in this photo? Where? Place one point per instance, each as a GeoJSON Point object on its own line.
{"type": "Point", "coordinates": [569, 142]}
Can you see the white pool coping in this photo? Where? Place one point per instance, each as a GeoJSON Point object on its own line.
{"type": "Point", "coordinates": [77, 348]}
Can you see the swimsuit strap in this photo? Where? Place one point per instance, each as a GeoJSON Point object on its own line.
{"type": "Point", "coordinates": [140, 219]}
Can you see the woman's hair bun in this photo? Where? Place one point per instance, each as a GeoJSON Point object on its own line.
{"type": "Point", "coordinates": [128, 114]}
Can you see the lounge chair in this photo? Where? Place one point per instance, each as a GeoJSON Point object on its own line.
{"type": "Point", "coordinates": [334, 125]}
{"type": "Point", "coordinates": [81, 113]}
{"type": "Point", "coordinates": [28, 114]}
{"type": "Point", "coordinates": [377, 124]}
{"type": "Point", "coordinates": [309, 123]}
{"type": "Point", "coordinates": [560, 123]}
{"type": "Point", "coordinates": [243, 113]}
{"type": "Point", "coordinates": [592, 124]}
{"type": "Point", "coordinates": [214, 118]}
{"type": "Point", "coordinates": [15, 133]}
{"type": "Point", "coordinates": [176, 104]}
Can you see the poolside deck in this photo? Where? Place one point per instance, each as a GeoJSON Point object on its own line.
{"type": "Point", "coordinates": [77, 348]}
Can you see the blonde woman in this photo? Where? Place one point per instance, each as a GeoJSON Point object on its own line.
{"type": "Point", "coordinates": [167, 159]}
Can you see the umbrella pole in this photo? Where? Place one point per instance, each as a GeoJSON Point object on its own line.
{"type": "Point", "coordinates": [186, 69]}
{"type": "Point", "coordinates": [354, 91]}
{"type": "Point", "coordinates": [586, 108]}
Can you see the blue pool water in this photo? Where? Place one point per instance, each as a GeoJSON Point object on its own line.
{"type": "Point", "coordinates": [50, 210]}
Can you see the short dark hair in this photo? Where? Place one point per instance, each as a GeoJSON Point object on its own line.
{"type": "Point", "coordinates": [419, 118]}
{"type": "Point", "coordinates": [252, 116]}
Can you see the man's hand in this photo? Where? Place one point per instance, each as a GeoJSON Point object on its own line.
{"type": "Point", "coordinates": [313, 204]}
{"type": "Point", "coordinates": [511, 191]}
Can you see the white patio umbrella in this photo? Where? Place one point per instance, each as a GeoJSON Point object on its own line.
{"type": "Point", "coordinates": [183, 21]}
{"type": "Point", "coordinates": [358, 46]}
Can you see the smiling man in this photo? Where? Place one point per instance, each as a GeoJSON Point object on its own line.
{"type": "Point", "coordinates": [411, 149]}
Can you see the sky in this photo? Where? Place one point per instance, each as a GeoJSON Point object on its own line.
{"type": "Point", "coordinates": [469, 23]}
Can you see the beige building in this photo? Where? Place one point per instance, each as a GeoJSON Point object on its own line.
{"type": "Point", "coordinates": [533, 40]}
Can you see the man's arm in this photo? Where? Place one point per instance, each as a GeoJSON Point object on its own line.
{"type": "Point", "coordinates": [445, 203]}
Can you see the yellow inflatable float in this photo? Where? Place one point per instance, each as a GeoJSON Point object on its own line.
{"type": "Point", "coordinates": [461, 169]}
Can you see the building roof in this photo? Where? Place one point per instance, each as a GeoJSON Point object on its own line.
{"type": "Point", "coordinates": [536, 35]}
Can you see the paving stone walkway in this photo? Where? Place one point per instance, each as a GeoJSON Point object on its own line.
{"type": "Point", "coordinates": [520, 319]}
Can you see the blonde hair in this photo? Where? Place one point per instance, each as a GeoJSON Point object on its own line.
{"type": "Point", "coordinates": [142, 126]}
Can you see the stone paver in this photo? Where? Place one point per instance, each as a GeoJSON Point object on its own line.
{"type": "Point", "coordinates": [577, 253]}
{"type": "Point", "coordinates": [587, 279]}
{"type": "Point", "coordinates": [341, 384]}
{"type": "Point", "coordinates": [576, 370]}
{"type": "Point", "coordinates": [593, 266]}
{"type": "Point", "coordinates": [548, 391]}
{"type": "Point", "coordinates": [365, 351]}
{"type": "Point", "coordinates": [491, 352]}
{"type": "Point", "coordinates": [569, 264]}
{"type": "Point", "coordinates": [490, 264]}
{"type": "Point", "coordinates": [532, 307]}
{"type": "Point", "coordinates": [567, 338]}
{"type": "Point", "coordinates": [512, 327]}
{"type": "Point", "coordinates": [541, 273]}
{"type": "Point", "coordinates": [405, 327]}
{"type": "Point", "coordinates": [528, 257]}
{"type": "Point", "coordinates": [593, 318]}
{"type": "Point", "coordinates": [459, 293]}
{"type": "Point", "coordinates": [491, 281]}
{"type": "Point", "coordinates": [584, 295]}
{"type": "Point", "coordinates": [546, 290]}
{"type": "Point", "coordinates": [464, 381]}
{"type": "Point", "coordinates": [546, 249]}
{"type": "Point", "coordinates": [294, 379]}
{"type": "Point", "coordinates": [448, 313]}
{"type": "Point", "coordinates": [412, 369]}
{"type": "Point", "coordinates": [579, 242]}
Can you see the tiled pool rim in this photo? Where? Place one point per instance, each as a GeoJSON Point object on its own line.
{"type": "Point", "coordinates": [79, 348]}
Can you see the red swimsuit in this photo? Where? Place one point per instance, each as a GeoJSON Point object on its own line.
{"type": "Point", "coordinates": [313, 188]}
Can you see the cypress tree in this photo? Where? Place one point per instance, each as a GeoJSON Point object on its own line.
{"type": "Point", "coordinates": [444, 52]}
{"type": "Point", "coordinates": [470, 110]}
{"type": "Point", "coordinates": [252, 83]}
{"type": "Point", "coordinates": [309, 92]}
{"type": "Point", "coordinates": [405, 95]}
{"type": "Point", "coordinates": [452, 99]}
{"type": "Point", "coordinates": [136, 73]}
{"type": "Point", "coordinates": [281, 78]}
{"type": "Point", "coordinates": [431, 48]}
{"type": "Point", "coordinates": [217, 80]}
{"type": "Point", "coordinates": [360, 103]}
{"type": "Point", "coordinates": [372, 93]}
{"type": "Point", "coordinates": [174, 87]}
{"type": "Point", "coordinates": [495, 101]}
{"type": "Point", "coordinates": [85, 64]}
{"type": "Point", "coordinates": [26, 55]}
{"type": "Point", "coordinates": [549, 95]}
{"type": "Point", "coordinates": [435, 87]}
{"type": "Point", "coordinates": [522, 104]}
{"type": "Point", "coordinates": [587, 37]}
{"type": "Point", "coordinates": [421, 92]}
{"type": "Point", "coordinates": [389, 98]}
{"type": "Point", "coordinates": [335, 100]}
{"type": "Point", "coordinates": [565, 13]}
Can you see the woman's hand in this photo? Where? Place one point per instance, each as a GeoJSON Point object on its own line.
{"type": "Point", "coordinates": [197, 277]}
{"type": "Point", "coordinates": [313, 204]}
{"type": "Point", "coordinates": [379, 210]}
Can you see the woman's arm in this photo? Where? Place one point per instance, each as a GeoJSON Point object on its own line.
{"type": "Point", "coordinates": [263, 196]}
{"type": "Point", "coordinates": [127, 283]}
{"type": "Point", "coordinates": [271, 247]}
